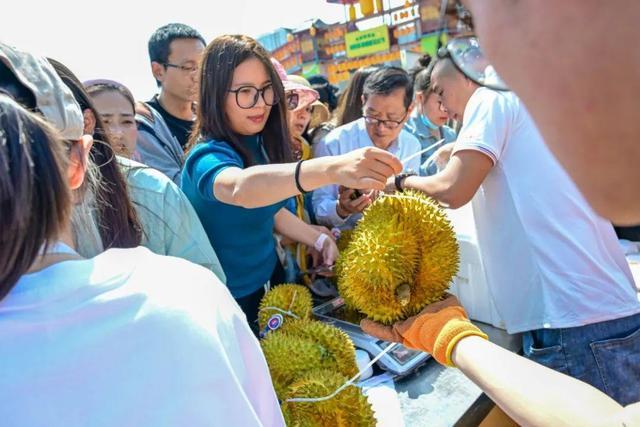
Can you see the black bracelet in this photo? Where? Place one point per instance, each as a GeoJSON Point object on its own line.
{"type": "Point", "coordinates": [297, 177]}
{"type": "Point", "coordinates": [399, 180]}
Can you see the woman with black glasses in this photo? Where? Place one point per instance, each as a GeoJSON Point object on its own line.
{"type": "Point", "coordinates": [237, 173]}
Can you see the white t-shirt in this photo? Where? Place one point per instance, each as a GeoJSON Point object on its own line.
{"type": "Point", "coordinates": [550, 260]}
{"type": "Point", "coordinates": [130, 338]}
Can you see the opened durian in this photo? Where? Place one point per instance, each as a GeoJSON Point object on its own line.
{"type": "Point", "coordinates": [402, 256]}
{"type": "Point", "coordinates": [304, 345]}
{"type": "Point", "coordinates": [287, 297]}
{"type": "Point", "coordinates": [348, 408]}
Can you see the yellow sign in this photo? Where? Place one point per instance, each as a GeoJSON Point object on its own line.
{"type": "Point", "coordinates": [360, 43]}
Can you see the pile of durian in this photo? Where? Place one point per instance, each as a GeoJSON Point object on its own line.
{"type": "Point", "coordinates": [310, 359]}
{"type": "Point", "coordinates": [400, 257]}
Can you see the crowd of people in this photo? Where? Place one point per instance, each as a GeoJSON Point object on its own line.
{"type": "Point", "coordinates": [139, 237]}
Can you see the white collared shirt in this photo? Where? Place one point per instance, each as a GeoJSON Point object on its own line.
{"type": "Point", "coordinates": [345, 139]}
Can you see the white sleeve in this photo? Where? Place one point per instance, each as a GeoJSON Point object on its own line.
{"type": "Point", "coordinates": [325, 199]}
{"type": "Point", "coordinates": [487, 119]}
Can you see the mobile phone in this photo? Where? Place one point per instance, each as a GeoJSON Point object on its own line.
{"type": "Point", "coordinates": [355, 194]}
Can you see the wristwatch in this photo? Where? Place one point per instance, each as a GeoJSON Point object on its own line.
{"type": "Point", "coordinates": [399, 179]}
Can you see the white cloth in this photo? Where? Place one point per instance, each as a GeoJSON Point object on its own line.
{"type": "Point", "coordinates": [550, 260]}
{"type": "Point", "coordinates": [129, 338]}
{"type": "Point", "coordinates": [345, 139]}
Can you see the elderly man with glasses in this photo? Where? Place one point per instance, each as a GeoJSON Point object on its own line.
{"type": "Point", "coordinates": [387, 104]}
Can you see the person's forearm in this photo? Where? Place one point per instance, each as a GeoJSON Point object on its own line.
{"type": "Point", "coordinates": [458, 182]}
{"type": "Point", "coordinates": [434, 186]}
{"type": "Point", "coordinates": [264, 185]}
{"type": "Point", "coordinates": [294, 228]}
{"type": "Point", "coordinates": [532, 394]}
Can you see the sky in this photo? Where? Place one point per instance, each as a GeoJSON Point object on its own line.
{"type": "Point", "coordinates": [108, 39]}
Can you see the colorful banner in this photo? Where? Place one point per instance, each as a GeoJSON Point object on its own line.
{"type": "Point", "coordinates": [361, 43]}
{"type": "Point", "coordinates": [311, 69]}
{"type": "Point", "coordinates": [429, 43]}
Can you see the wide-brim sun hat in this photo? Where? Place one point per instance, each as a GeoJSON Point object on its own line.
{"type": "Point", "coordinates": [320, 112]}
{"type": "Point", "coordinates": [306, 94]}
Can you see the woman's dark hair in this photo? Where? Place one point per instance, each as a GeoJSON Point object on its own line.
{"type": "Point", "coordinates": [117, 219]}
{"type": "Point", "coordinates": [386, 80]}
{"type": "Point", "coordinates": [35, 200]}
{"type": "Point", "coordinates": [96, 87]}
{"type": "Point", "coordinates": [350, 106]}
{"type": "Point", "coordinates": [326, 90]}
{"type": "Point", "coordinates": [421, 74]}
{"type": "Point", "coordinates": [221, 57]}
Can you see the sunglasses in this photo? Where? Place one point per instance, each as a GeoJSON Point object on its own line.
{"type": "Point", "coordinates": [292, 99]}
{"type": "Point", "coordinates": [465, 51]}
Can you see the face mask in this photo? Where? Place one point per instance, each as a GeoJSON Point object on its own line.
{"type": "Point", "coordinates": [428, 123]}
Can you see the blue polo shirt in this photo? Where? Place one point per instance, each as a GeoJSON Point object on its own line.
{"type": "Point", "coordinates": [242, 238]}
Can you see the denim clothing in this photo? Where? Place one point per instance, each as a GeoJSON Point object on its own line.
{"type": "Point", "coordinates": [605, 355]}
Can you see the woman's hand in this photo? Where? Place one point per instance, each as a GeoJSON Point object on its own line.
{"type": "Point", "coordinates": [329, 252]}
{"type": "Point", "coordinates": [366, 168]}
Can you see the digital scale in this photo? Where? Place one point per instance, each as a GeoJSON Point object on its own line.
{"type": "Point", "coordinates": [400, 361]}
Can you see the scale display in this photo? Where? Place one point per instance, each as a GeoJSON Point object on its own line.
{"type": "Point", "coordinates": [400, 361]}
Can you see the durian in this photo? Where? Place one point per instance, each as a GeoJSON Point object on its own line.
{"type": "Point", "coordinates": [348, 408]}
{"type": "Point", "coordinates": [286, 297]}
{"type": "Point", "coordinates": [303, 345]}
{"type": "Point", "coordinates": [402, 256]}
{"type": "Point", "coordinates": [336, 343]}
{"type": "Point", "coordinates": [344, 239]}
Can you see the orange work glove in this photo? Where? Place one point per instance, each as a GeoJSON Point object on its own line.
{"type": "Point", "coordinates": [436, 329]}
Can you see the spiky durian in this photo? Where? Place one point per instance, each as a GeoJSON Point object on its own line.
{"type": "Point", "coordinates": [337, 344]}
{"type": "Point", "coordinates": [286, 297]}
{"type": "Point", "coordinates": [344, 239]}
{"type": "Point", "coordinates": [402, 256]}
{"type": "Point", "coordinates": [288, 357]}
{"type": "Point", "coordinates": [304, 345]}
{"type": "Point", "coordinates": [380, 256]}
{"type": "Point", "coordinates": [348, 408]}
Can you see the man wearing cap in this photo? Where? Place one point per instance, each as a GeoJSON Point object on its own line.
{"type": "Point", "coordinates": [165, 122]}
{"type": "Point", "coordinates": [387, 104]}
{"type": "Point", "coordinates": [555, 269]}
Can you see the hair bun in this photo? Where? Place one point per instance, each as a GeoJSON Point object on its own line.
{"type": "Point", "coordinates": [424, 60]}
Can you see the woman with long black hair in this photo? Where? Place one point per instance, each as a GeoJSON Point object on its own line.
{"type": "Point", "coordinates": [238, 175]}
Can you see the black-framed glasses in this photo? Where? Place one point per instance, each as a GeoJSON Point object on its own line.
{"type": "Point", "coordinates": [247, 96]}
{"type": "Point", "coordinates": [389, 124]}
{"type": "Point", "coordinates": [292, 99]}
{"type": "Point", "coordinates": [186, 68]}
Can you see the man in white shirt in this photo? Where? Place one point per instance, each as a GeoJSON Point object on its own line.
{"type": "Point", "coordinates": [387, 103]}
{"type": "Point", "coordinates": [554, 267]}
